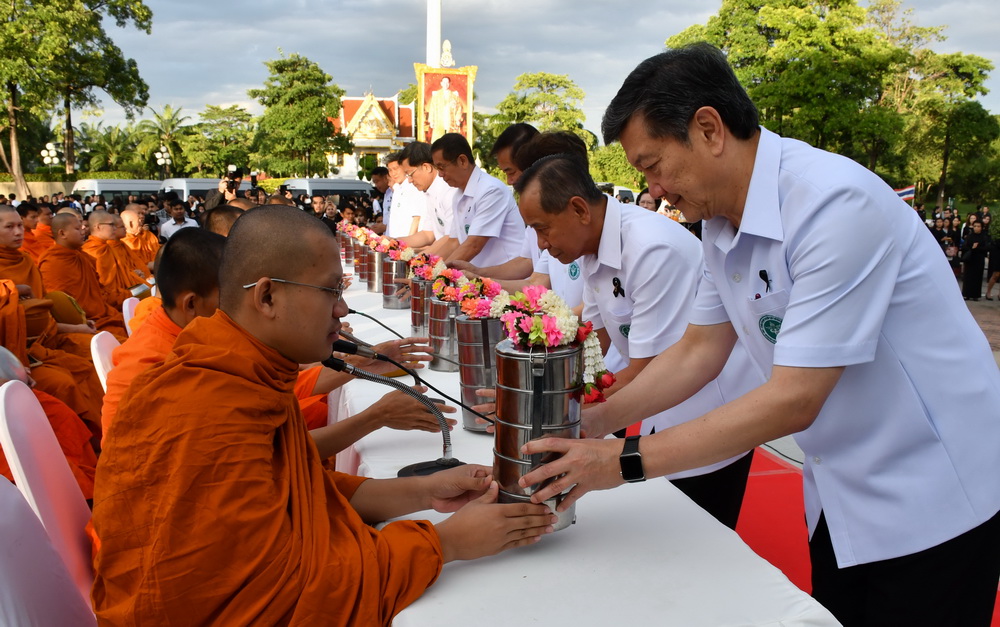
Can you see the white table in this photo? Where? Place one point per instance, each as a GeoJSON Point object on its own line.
{"type": "Point", "coordinates": [641, 554]}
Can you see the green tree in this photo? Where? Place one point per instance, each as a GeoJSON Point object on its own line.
{"type": "Point", "coordinates": [166, 129]}
{"type": "Point", "coordinates": [550, 102]}
{"type": "Point", "coordinates": [296, 132]}
{"type": "Point", "coordinates": [40, 45]}
{"type": "Point", "coordinates": [608, 164]}
{"type": "Point", "coordinates": [222, 137]}
{"type": "Point", "coordinates": [112, 148]}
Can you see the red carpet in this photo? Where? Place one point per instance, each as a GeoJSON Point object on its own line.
{"type": "Point", "coordinates": [772, 521]}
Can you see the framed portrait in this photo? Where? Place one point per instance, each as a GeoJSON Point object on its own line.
{"type": "Point", "coordinates": [444, 101]}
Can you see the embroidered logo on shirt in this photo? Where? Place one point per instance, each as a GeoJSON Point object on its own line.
{"type": "Point", "coordinates": [574, 271]}
{"type": "Point", "coordinates": [769, 326]}
{"type": "Point", "coordinates": [624, 329]}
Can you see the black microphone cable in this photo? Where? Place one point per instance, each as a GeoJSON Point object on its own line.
{"type": "Point", "coordinates": [376, 321]}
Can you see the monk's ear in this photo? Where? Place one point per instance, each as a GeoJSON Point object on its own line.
{"type": "Point", "coordinates": [263, 297]}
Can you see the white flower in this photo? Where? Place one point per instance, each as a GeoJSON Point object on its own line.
{"type": "Point", "coordinates": [499, 303]}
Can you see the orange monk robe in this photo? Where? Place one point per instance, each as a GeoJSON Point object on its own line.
{"type": "Point", "coordinates": [143, 310]}
{"type": "Point", "coordinates": [18, 267]}
{"type": "Point", "coordinates": [314, 407]}
{"type": "Point", "coordinates": [67, 377]}
{"type": "Point", "coordinates": [144, 245]}
{"type": "Point", "coordinates": [150, 344]}
{"type": "Point", "coordinates": [117, 268]}
{"type": "Point", "coordinates": [44, 239]}
{"type": "Point", "coordinates": [32, 246]}
{"type": "Point", "coordinates": [75, 272]}
{"type": "Point", "coordinates": [214, 467]}
{"type": "Point", "coordinates": [74, 439]}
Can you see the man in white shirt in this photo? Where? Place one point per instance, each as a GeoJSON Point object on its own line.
{"type": "Point", "coordinates": [896, 413]}
{"type": "Point", "coordinates": [407, 202]}
{"type": "Point", "coordinates": [180, 220]}
{"type": "Point", "coordinates": [634, 305]}
{"type": "Point", "coordinates": [439, 207]}
{"type": "Point", "coordinates": [487, 226]}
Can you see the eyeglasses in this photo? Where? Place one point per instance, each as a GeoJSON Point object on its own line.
{"type": "Point", "coordinates": [409, 174]}
{"type": "Point", "coordinates": [338, 292]}
{"type": "Point", "coordinates": [442, 166]}
{"type": "Point", "coordinates": [104, 224]}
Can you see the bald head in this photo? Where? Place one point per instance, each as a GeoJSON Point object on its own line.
{"type": "Point", "coordinates": [242, 204]}
{"type": "Point", "coordinates": [11, 228]}
{"type": "Point", "coordinates": [221, 219]}
{"type": "Point", "coordinates": [102, 225]}
{"type": "Point", "coordinates": [133, 220]}
{"type": "Point", "coordinates": [278, 199]}
{"type": "Point", "coordinates": [279, 281]}
{"type": "Point", "coordinates": [67, 230]}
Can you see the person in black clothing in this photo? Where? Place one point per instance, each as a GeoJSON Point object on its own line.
{"type": "Point", "coordinates": [974, 248]}
{"type": "Point", "coordinates": [937, 229]}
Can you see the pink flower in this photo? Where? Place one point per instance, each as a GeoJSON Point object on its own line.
{"type": "Point", "coordinates": [491, 289]}
{"type": "Point", "coordinates": [526, 323]}
{"type": "Point", "coordinates": [509, 320]}
{"type": "Point", "coordinates": [532, 293]}
{"type": "Point", "coordinates": [450, 294]}
{"type": "Point", "coordinates": [550, 327]}
{"type": "Point", "coordinates": [605, 380]}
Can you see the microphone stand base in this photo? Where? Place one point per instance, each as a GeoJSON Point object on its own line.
{"type": "Point", "coordinates": [422, 469]}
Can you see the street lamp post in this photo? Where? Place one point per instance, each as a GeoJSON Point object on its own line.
{"type": "Point", "coordinates": [163, 160]}
{"type": "Point", "coordinates": [50, 156]}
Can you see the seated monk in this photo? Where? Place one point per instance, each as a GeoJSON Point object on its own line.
{"type": "Point", "coordinates": [29, 217]}
{"type": "Point", "coordinates": [187, 277]}
{"type": "Point", "coordinates": [69, 378]}
{"type": "Point", "coordinates": [18, 267]}
{"type": "Point", "coordinates": [42, 231]}
{"type": "Point", "coordinates": [211, 502]}
{"type": "Point", "coordinates": [138, 237]}
{"type": "Point", "coordinates": [73, 436]}
{"type": "Point", "coordinates": [65, 268]}
{"type": "Point", "coordinates": [119, 270]}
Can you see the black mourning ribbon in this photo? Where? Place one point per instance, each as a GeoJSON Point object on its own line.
{"type": "Point", "coordinates": [767, 282]}
{"type": "Point", "coordinates": [619, 290]}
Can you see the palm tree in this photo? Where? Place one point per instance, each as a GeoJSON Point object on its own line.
{"type": "Point", "coordinates": [165, 129]}
{"type": "Point", "coordinates": [112, 148]}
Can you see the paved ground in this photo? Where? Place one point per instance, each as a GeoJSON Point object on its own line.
{"type": "Point", "coordinates": [986, 313]}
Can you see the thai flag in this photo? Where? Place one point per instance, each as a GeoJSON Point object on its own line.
{"type": "Point", "coordinates": [907, 193]}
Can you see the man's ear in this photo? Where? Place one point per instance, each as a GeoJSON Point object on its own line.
{"type": "Point", "coordinates": [581, 208]}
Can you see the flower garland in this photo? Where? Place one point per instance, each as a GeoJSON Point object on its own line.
{"type": "Point", "coordinates": [404, 253]}
{"type": "Point", "coordinates": [447, 285]}
{"type": "Point", "coordinates": [477, 298]}
{"type": "Point", "coordinates": [537, 316]}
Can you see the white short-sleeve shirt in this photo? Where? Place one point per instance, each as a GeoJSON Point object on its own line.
{"type": "Point", "coordinates": [408, 202]}
{"type": "Point", "coordinates": [905, 454]}
{"type": "Point", "coordinates": [439, 211]}
{"type": "Point", "coordinates": [640, 287]}
{"type": "Point", "coordinates": [486, 208]}
{"type": "Point", "coordinates": [566, 278]}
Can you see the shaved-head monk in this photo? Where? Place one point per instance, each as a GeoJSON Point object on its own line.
{"type": "Point", "coordinates": [71, 433]}
{"type": "Point", "coordinates": [43, 229]}
{"type": "Point", "coordinates": [221, 219]}
{"type": "Point", "coordinates": [121, 272]}
{"type": "Point", "coordinates": [138, 237]}
{"type": "Point", "coordinates": [29, 217]}
{"type": "Point", "coordinates": [66, 268]}
{"type": "Point", "coordinates": [211, 502]}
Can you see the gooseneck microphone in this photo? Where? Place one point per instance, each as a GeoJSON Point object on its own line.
{"type": "Point", "coordinates": [420, 468]}
{"type": "Point", "coordinates": [351, 348]}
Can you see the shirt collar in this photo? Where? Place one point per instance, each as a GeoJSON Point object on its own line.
{"type": "Point", "coordinates": [472, 186]}
{"type": "Point", "coordinates": [609, 252]}
{"type": "Point", "coordinates": [762, 211]}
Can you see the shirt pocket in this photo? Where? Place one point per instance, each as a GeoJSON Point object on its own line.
{"type": "Point", "coordinates": [773, 304]}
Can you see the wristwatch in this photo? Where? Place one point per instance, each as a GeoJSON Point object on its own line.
{"type": "Point", "coordinates": [631, 461]}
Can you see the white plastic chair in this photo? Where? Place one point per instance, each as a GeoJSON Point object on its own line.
{"type": "Point", "coordinates": [37, 588]}
{"type": "Point", "coordinates": [44, 478]}
{"type": "Point", "coordinates": [101, 346]}
{"type": "Point", "coordinates": [128, 312]}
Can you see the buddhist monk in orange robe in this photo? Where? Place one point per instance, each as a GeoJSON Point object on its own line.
{"type": "Point", "coordinates": [118, 269]}
{"type": "Point", "coordinates": [211, 503]}
{"type": "Point", "coordinates": [139, 239]}
{"type": "Point", "coordinates": [188, 277]}
{"type": "Point", "coordinates": [65, 268]}
{"type": "Point", "coordinates": [42, 232]}
{"type": "Point", "coordinates": [29, 217]}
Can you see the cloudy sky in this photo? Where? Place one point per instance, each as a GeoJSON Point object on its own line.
{"type": "Point", "coordinates": [211, 52]}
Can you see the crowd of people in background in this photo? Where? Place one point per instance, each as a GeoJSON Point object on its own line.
{"type": "Point", "coordinates": [968, 246]}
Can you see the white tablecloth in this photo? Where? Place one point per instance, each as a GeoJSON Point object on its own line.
{"type": "Point", "coordinates": [641, 554]}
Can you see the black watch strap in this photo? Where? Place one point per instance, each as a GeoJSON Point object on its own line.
{"type": "Point", "coordinates": [631, 461]}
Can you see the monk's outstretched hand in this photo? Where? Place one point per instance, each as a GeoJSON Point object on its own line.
{"type": "Point", "coordinates": [412, 352]}
{"type": "Point", "coordinates": [451, 489]}
{"type": "Point", "coordinates": [485, 527]}
{"type": "Point", "coordinates": [487, 409]}
{"type": "Point", "coordinates": [398, 411]}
